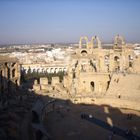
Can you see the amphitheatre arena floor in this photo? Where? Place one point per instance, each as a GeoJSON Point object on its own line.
{"type": "Point", "coordinates": [65, 123]}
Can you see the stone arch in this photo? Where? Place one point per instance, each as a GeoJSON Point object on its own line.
{"type": "Point", "coordinates": [117, 63]}
{"type": "Point", "coordinates": [106, 59]}
{"type": "Point", "coordinates": [13, 64]}
{"type": "Point", "coordinates": [95, 38]}
{"type": "Point", "coordinates": [42, 70]}
{"type": "Point", "coordinates": [80, 41]}
{"type": "Point", "coordinates": [60, 69]}
{"type": "Point", "coordinates": [37, 70]}
{"type": "Point", "coordinates": [116, 58]}
{"type": "Point", "coordinates": [84, 53]}
{"type": "Point", "coordinates": [34, 70]}
{"type": "Point", "coordinates": [47, 70]}
{"type": "Point", "coordinates": [56, 70]}
{"type": "Point", "coordinates": [119, 42]}
{"type": "Point", "coordinates": [51, 70]}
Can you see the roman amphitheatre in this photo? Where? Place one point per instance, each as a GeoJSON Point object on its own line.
{"type": "Point", "coordinates": [97, 96]}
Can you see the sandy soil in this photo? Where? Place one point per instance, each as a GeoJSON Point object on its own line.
{"type": "Point", "coordinates": [65, 122]}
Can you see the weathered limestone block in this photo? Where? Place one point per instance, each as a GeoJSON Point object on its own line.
{"type": "Point", "coordinates": [36, 87]}
{"type": "Point", "coordinates": [136, 65]}
{"type": "Point", "coordinates": [43, 86]}
{"type": "Point", "coordinates": [49, 88]}
{"type": "Point", "coordinates": [59, 87]}
{"type": "Point", "coordinates": [55, 80]}
{"type": "Point", "coordinates": [46, 88]}
{"type": "Point", "coordinates": [44, 80]}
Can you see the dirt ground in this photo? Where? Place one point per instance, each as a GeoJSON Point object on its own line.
{"type": "Point", "coordinates": [65, 123]}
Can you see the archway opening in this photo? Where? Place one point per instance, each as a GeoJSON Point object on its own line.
{"type": "Point", "coordinates": [83, 42]}
{"type": "Point", "coordinates": [92, 86]}
{"type": "Point", "coordinates": [106, 60]}
{"type": "Point", "coordinates": [84, 53]}
{"type": "Point", "coordinates": [13, 73]}
{"type": "Point", "coordinates": [118, 43]}
{"type": "Point", "coordinates": [116, 63]}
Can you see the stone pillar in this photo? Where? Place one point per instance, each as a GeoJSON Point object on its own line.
{"type": "Point", "coordinates": [44, 81]}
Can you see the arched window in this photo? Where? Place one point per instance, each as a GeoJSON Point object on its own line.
{"type": "Point", "coordinates": [106, 60]}
{"type": "Point", "coordinates": [96, 43]}
{"type": "Point", "coordinates": [83, 42]}
{"type": "Point", "coordinates": [116, 58]}
{"type": "Point", "coordinates": [116, 63]}
{"type": "Point", "coordinates": [84, 53]}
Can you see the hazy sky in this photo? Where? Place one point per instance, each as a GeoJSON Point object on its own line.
{"type": "Point", "coordinates": [43, 21]}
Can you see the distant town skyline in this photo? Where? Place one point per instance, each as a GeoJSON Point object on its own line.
{"type": "Point", "coordinates": [65, 21]}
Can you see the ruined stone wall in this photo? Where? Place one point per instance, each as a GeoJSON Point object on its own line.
{"type": "Point", "coordinates": [92, 83]}
{"type": "Point", "coordinates": [125, 86]}
{"type": "Point", "coordinates": [9, 74]}
{"type": "Point", "coordinates": [91, 67]}
{"type": "Point", "coordinates": [91, 70]}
